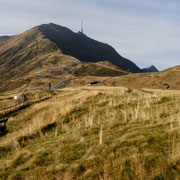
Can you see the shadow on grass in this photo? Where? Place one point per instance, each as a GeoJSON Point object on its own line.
{"type": "Point", "coordinates": [3, 132]}
{"type": "Point", "coordinates": [28, 104]}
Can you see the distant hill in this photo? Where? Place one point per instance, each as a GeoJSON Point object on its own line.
{"type": "Point", "coordinates": [149, 80]}
{"type": "Point", "coordinates": [151, 68]}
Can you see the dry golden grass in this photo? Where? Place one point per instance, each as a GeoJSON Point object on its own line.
{"type": "Point", "coordinates": [149, 80]}
{"type": "Point", "coordinates": [95, 133]}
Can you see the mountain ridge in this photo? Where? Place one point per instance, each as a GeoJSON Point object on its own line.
{"type": "Point", "coordinates": [37, 47]}
{"type": "Point", "coordinates": [40, 40]}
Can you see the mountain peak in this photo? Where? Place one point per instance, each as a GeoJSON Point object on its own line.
{"type": "Point", "coordinates": [49, 44]}
{"type": "Point", "coordinates": [84, 48]}
{"type": "Point", "coordinates": [151, 68]}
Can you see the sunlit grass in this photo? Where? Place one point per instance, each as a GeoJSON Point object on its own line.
{"type": "Point", "coordinates": [95, 133]}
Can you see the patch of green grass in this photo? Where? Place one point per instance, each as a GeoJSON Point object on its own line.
{"type": "Point", "coordinates": [4, 151]}
{"type": "Point", "coordinates": [17, 176]}
{"type": "Point", "coordinates": [76, 113]}
{"type": "Point", "coordinates": [18, 161]}
{"type": "Point", "coordinates": [69, 155]}
{"type": "Point", "coordinates": [44, 159]}
{"type": "Point", "coordinates": [164, 115]}
{"type": "Point", "coordinates": [164, 100]}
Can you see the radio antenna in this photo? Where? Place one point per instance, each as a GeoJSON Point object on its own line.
{"type": "Point", "coordinates": [82, 26]}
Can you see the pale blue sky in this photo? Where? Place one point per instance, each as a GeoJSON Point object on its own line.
{"type": "Point", "coordinates": [144, 31]}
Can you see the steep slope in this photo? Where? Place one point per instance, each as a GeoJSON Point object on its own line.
{"type": "Point", "coordinates": [151, 68]}
{"type": "Point", "coordinates": [84, 48]}
{"type": "Point", "coordinates": [20, 54]}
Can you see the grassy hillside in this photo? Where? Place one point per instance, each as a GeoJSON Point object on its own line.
{"type": "Point", "coordinates": [149, 80]}
{"type": "Point", "coordinates": [26, 74]}
{"type": "Point", "coordinates": [98, 69]}
{"type": "Point", "coordinates": [93, 133]}
{"type": "Point", "coordinates": [21, 55]}
{"type": "Point", "coordinates": [87, 72]}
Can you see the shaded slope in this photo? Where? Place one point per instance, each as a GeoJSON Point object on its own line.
{"type": "Point", "coordinates": [84, 48]}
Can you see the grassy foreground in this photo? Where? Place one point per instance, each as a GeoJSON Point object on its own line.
{"type": "Point", "coordinates": [94, 133]}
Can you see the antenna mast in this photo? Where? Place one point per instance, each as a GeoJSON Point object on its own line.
{"type": "Point", "coordinates": [82, 26]}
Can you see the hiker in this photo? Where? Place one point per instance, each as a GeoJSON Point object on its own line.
{"type": "Point", "coordinates": [23, 98]}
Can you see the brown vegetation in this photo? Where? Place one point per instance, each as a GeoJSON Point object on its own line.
{"type": "Point", "coordinates": [94, 133]}
{"type": "Point", "coordinates": [149, 80]}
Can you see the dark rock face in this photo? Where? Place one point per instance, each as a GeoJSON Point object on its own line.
{"type": "Point", "coordinates": [84, 48]}
{"type": "Point", "coordinates": [150, 69]}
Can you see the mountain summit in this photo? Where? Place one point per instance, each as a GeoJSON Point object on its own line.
{"type": "Point", "coordinates": [84, 48]}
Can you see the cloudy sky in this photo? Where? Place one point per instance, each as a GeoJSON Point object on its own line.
{"type": "Point", "coordinates": [144, 31]}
